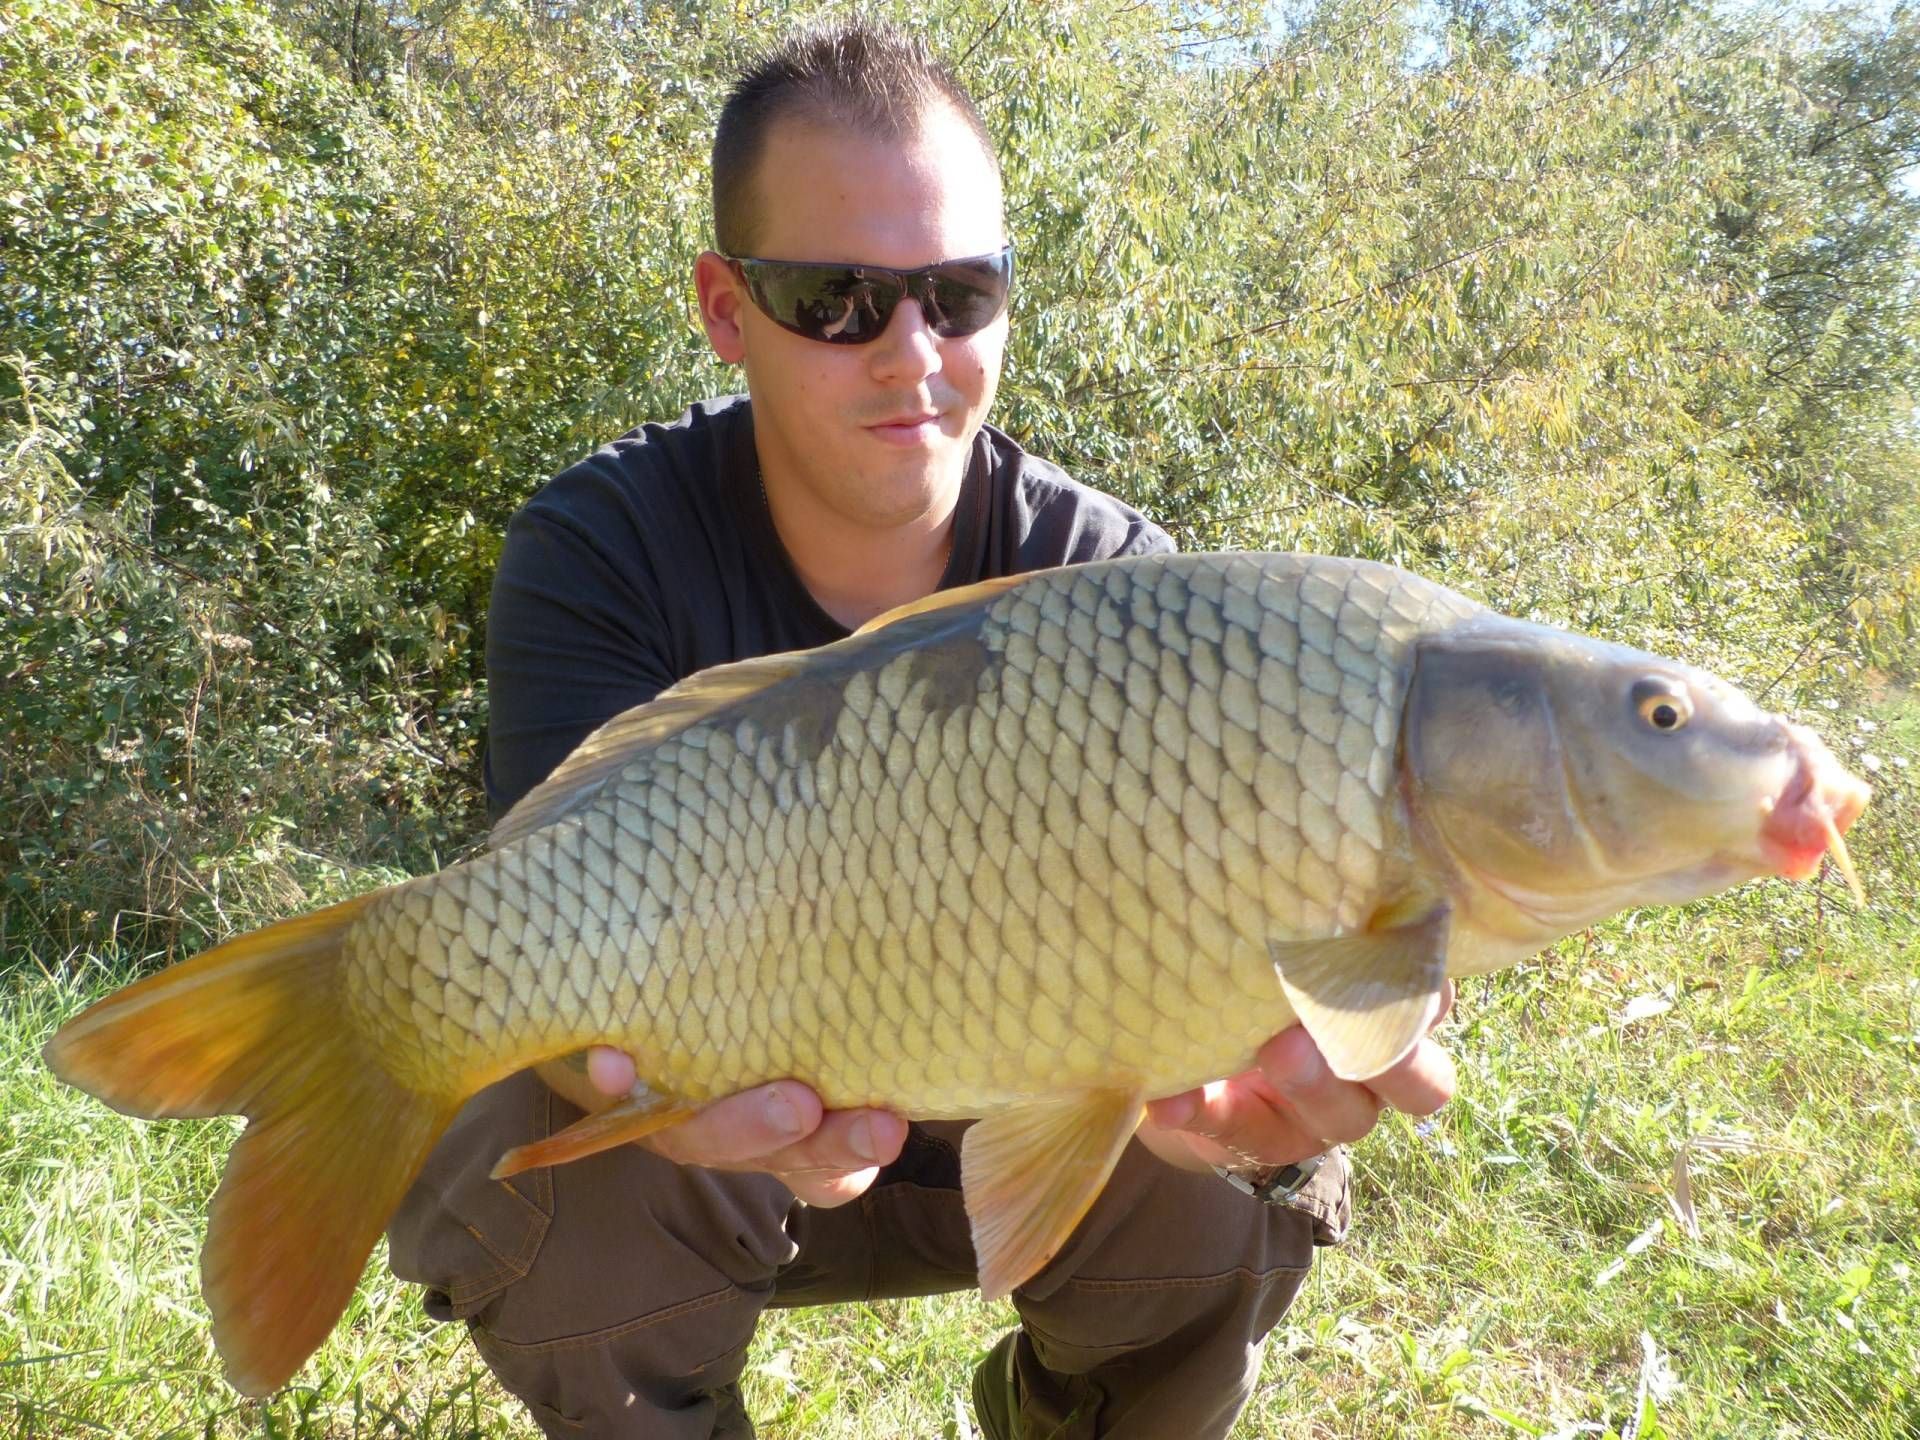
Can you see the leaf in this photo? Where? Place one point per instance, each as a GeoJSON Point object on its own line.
{"type": "Point", "coordinates": [1657, 1382]}
{"type": "Point", "coordinates": [1646, 1237]}
{"type": "Point", "coordinates": [1645, 1007]}
{"type": "Point", "coordinates": [1682, 1196]}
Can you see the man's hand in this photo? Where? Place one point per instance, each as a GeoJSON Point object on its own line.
{"type": "Point", "coordinates": [1291, 1105]}
{"type": "Point", "coordinates": [826, 1157]}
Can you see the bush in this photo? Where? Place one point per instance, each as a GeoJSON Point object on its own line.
{"type": "Point", "coordinates": [1604, 314]}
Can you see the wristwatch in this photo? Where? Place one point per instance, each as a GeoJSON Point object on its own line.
{"type": "Point", "coordinates": [1275, 1186]}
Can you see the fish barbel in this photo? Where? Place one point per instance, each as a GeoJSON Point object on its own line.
{"type": "Point", "coordinates": [1036, 852]}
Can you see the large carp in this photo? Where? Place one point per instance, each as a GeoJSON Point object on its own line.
{"type": "Point", "coordinates": [1037, 851]}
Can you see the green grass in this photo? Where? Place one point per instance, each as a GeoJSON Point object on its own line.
{"type": "Point", "coordinates": [1513, 1265]}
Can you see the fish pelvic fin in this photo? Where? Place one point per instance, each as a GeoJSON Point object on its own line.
{"type": "Point", "coordinates": [1367, 999]}
{"type": "Point", "coordinates": [257, 1027]}
{"type": "Point", "coordinates": [1030, 1175]}
{"type": "Point", "coordinates": [634, 1118]}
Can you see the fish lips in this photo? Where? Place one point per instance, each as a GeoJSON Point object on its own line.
{"type": "Point", "coordinates": [1818, 804]}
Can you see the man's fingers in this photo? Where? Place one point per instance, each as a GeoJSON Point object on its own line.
{"type": "Point", "coordinates": [741, 1131]}
{"type": "Point", "coordinates": [839, 1159]}
{"type": "Point", "coordinates": [1176, 1112]}
{"type": "Point", "coordinates": [827, 1188]}
{"type": "Point", "coordinates": [1419, 1084]}
{"type": "Point", "coordinates": [1234, 1122]}
{"type": "Point", "coordinates": [1337, 1111]}
{"type": "Point", "coordinates": [846, 1141]}
{"type": "Point", "coordinates": [611, 1071]}
{"type": "Point", "coordinates": [1293, 1105]}
{"type": "Point", "coordinates": [825, 1158]}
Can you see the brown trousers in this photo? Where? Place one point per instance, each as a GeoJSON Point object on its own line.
{"type": "Point", "coordinates": [617, 1296]}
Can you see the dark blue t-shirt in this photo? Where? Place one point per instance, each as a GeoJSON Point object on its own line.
{"type": "Point", "coordinates": [655, 557]}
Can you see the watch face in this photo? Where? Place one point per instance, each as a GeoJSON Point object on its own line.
{"type": "Point", "coordinates": [1276, 1184]}
{"type": "Point", "coordinates": [1284, 1183]}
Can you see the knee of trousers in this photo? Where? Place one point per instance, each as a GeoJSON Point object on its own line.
{"type": "Point", "coordinates": [1168, 1253]}
{"type": "Point", "coordinates": [622, 1272]}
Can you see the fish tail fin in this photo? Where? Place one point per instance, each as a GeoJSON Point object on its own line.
{"type": "Point", "coordinates": [257, 1027]}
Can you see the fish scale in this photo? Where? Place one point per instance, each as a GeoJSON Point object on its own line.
{"type": "Point", "coordinates": [1135, 834]}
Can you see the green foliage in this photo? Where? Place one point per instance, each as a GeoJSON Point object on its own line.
{"type": "Point", "coordinates": [1483, 314]}
{"type": "Point", "coordinates": [1604, 313]}
{"type": "Point", "coordinates": [204, 651]}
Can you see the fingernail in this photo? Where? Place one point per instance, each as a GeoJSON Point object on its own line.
{"type": "Point", "coordinates": [1178, 1112]}
{"type": "Point", "coordinates": [781, 1115]}
{"type": "Point", "coordinates": [860, 1139]}
{"type": "Point", "coordinates": [1307, 1073]}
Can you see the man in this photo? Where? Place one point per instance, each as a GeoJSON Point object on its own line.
{"type": "Point", "coordinates": [617, 1296]}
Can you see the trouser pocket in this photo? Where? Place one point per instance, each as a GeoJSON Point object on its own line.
{"type": "Point", "coordinates": [462, 1234]}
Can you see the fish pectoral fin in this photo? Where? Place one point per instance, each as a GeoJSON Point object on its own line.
{"type": "Point", "coordinates": [1367, 999]}
{"type": "Point", "coordinates": [634, 1118]}
{"type": "Point", "coordinates": [1031, 1174]}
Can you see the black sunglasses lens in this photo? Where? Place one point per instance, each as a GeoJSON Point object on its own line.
{"type": "Point", "coordinates": [851, 305]}
{"type": "Point", "coordinates": [966, 296]}
{"type": "Point", "coordinates": [836, 304]}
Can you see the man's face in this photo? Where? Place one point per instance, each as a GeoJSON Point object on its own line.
{"type": "Point", "coordinates": [877, 433]}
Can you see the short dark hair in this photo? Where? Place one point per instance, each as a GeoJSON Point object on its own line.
{"type": "Point", "coordinates": [873, 79]}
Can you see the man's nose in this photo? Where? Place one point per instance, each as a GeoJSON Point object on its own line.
{"type": "Point", "coordinates": [907, 348]}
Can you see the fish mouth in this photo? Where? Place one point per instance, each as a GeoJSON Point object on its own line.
{"type": "Point", "coordinates": [1806, 820]}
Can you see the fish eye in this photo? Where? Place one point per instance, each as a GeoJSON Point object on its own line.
{"type": "Point", "coordinates": [1662, 704]}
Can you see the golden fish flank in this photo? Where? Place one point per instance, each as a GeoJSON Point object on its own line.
{"type": "Point", "coordinates": [1035, 852]}
{"type": "Point", "coordinates": [899, 888]}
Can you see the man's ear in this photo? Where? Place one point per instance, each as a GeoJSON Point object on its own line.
{"type": "Point", "coordinates": [722, 298]}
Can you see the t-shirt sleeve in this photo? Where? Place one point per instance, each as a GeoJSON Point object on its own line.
{"type": "Point", "coordinates": [572, 640]}
{"type": "Point", "coordinates": [1146, 538]}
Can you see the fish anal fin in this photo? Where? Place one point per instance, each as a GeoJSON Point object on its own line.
{"type": "Point", "coordinates": [1030, 1175]}
{"type": "Point", "coordinates": [634, 1118]}
{"type": "Point", "coordinates": [1367, 999]}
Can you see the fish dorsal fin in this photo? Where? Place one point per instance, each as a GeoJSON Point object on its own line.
{"type": "Point", "coordinates": [608, 749]}
{"type": "Point", "coordinates": [1031, 1174]}
{"type": "Point", "coordinates": [1367, 999]}
{"type": "Point", "coordinates": [981, 591]}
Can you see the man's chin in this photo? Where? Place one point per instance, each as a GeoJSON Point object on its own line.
{"type": "Point", "coordinates": [933, 466]}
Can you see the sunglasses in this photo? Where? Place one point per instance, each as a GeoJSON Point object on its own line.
{"type": "Point", "coordinates": [851, 304]}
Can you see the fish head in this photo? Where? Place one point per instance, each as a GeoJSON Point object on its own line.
{"type": "Point", "coordinates": [1574, 778]}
